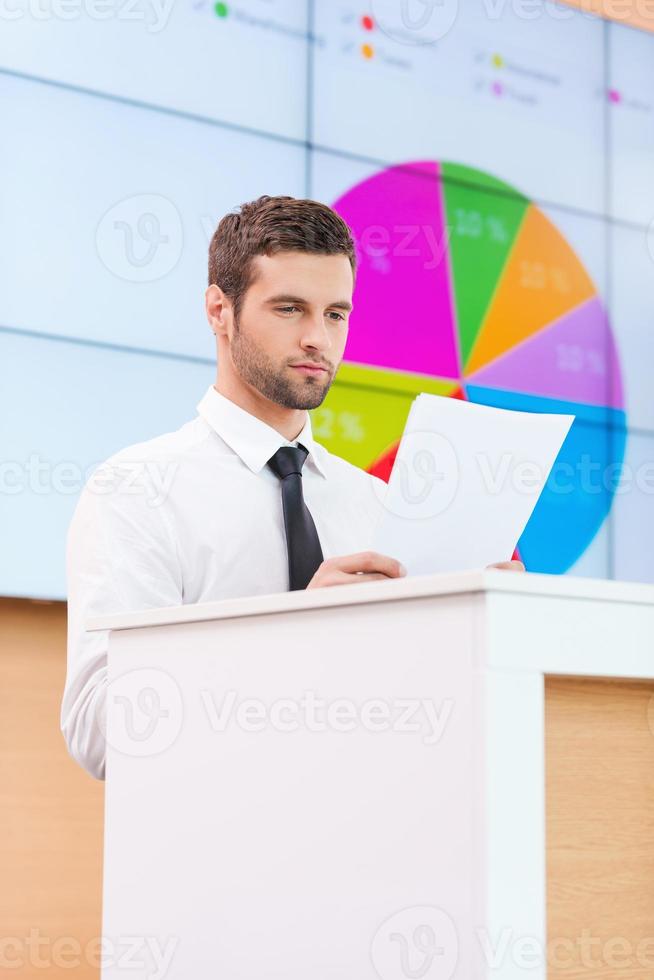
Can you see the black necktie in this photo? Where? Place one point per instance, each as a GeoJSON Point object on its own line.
{"type": "Point", "coordinates": [302, 542]}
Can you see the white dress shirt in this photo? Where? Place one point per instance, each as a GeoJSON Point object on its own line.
{"type": "Point", "coordinates": [192, 516]}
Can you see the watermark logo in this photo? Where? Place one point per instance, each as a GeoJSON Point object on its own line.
{"type": "Point", "coordinates": [151, 956]}
{"type": "Point", "coordinates": [140, 238]}
{"type": "Point", "coordinates": [425, 477]}
{"type": "Point", "coordinates": [144, 712]}
{"type": "Point", "coordinates": [38, 475]}
{"type": "Point", "coordinates": [311, 713]}
{"type": "Point", "coordinates": [415, 22]}
{"type": "Point", "coordinates": [382, 245]}
{"type": "Point", "coordinates": [152, 14]}
{"type": "Point", "coordinates": [419, 943]}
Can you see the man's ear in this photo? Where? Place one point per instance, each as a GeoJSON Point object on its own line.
{"type": "Point", "coordinates": [219, 310]}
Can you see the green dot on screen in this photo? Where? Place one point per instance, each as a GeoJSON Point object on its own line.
{"type": "Point", "coordinates": [221, 9]}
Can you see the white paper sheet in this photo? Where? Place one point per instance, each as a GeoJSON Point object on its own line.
{"type": "Point", "coordinates": [465, 482]}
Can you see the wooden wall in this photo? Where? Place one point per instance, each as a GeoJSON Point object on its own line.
{"type": "Point", "coordinates": [50, 809]}
{"type": "Point", "coordinates": [600, 828]}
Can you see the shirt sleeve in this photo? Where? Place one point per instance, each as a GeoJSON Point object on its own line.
{"type": "Point", "coordinates": [121, 556]}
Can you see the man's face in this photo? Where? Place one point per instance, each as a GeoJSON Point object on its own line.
{"type": "Point", "coordinates": [295, 312]}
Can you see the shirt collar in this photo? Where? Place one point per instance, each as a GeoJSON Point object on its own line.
{"type": "Point", "coordinates": [251, 439]}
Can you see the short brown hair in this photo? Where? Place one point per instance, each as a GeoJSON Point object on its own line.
{"type": "Point", "coordinates": [267, 226]}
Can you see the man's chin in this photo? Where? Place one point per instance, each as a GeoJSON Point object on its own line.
{"type": "Point", "coordinates": [311, 393]}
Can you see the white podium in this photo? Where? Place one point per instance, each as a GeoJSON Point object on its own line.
{"type": "Point", "coordinates": [345, 783]}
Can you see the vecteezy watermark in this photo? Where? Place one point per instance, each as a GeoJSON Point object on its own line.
{"type": "Point", "coordinates": [139, 477]}
{"type": "Point", "coordinates": [147, 954]}
{"type": "Point", "coordinates": [421, 22]}
{"type": "Point", "coordinates": [144, 712]}
{"type": "Point", "coordinates": [419, 943]}
{"type": "Point", "coordinates": [315, 714]}
{"type": "Point", "coordinates": [40, 476]}
{"type": "Point", "coordinates": [607, 954]}
{"type": "Point", "coordinates": [379, 244]}
{"type": "Point", "coordinates": [140, 238]}
{"type": "Point", "coordinates": [427, 475]}
{"type": "Point", "coordinates": [424, 941]}
{"type": "Point", "coordinates": [415, 22]}
{"type": "Point", "coordinates": [153, 14]}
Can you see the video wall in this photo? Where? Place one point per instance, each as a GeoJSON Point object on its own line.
{"type": "Point", "coordinates": [494, 165]}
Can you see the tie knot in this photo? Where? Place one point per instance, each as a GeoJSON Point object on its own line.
{"type": "Point", "coordinates": [288, 460]}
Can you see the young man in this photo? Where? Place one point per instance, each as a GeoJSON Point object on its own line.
{"type": "Point", "coordinates": [241, 500]}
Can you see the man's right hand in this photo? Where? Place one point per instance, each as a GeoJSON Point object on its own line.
{"type": "Point", "coordinates": [366, 566]}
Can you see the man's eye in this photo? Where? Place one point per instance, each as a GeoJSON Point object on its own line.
{"type": "Point", "coordinates": [286, 309]}
{"type": "Point", "coordinates": [339, 316]}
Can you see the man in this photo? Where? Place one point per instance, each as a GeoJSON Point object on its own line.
{"type": "Point", "coordinates": [241, 500]}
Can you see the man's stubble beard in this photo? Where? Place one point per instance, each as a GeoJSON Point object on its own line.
{"type": "Point", "coordinates": [256, 368]}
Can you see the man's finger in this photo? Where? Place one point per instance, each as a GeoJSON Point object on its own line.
{"type": "Point", "coordinates": [509, 566]}
{"type": "Point", "coordinates": [369, 562]}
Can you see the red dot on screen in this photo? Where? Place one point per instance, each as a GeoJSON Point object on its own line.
{"type": "Point", "coordinates": [367, 23]}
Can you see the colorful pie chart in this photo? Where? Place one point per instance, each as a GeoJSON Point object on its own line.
{"type": "Point", "coordinates": [467, 289]}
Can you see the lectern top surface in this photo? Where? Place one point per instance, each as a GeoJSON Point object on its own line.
{"type": "Point", "coordinates": [412, 587]}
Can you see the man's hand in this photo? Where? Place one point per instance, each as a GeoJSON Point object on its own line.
{"type": "Point", "coordinates": [510, 566]}
{"type": "Point", "coordinates": [367, 566]}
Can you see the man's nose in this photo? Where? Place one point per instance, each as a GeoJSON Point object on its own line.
{"type": "Point", "coordinates": [316, 333]}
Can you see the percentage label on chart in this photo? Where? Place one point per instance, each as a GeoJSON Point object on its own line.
{"type": "Point", "coordinates": [331, 424]}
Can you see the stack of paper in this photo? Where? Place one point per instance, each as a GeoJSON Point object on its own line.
{"type": "Point", "coordinates": [465, 482]}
